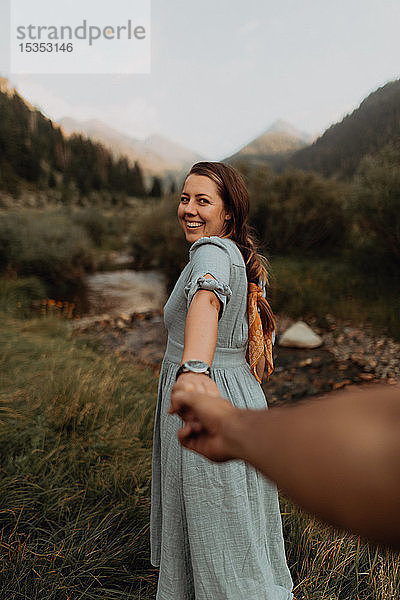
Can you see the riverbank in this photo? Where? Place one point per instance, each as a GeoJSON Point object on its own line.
{"type": "Point", "coordinates": [126, 319]}
{"type": "Point", "coordinates": [349, 355]}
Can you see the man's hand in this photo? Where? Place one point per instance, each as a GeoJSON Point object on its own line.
{"type": "Point", "coordinates": [198, 402]}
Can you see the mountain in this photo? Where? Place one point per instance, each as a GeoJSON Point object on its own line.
{"type": "Point", "coordinates": [277, 142]}
{"type": "Point", "coordinates": [35, 156]}
{"type": "Point", "coordinates": [5, 87]}
{"type": "Point", "coordinates": [373, 125]}
{"type": "Point", "coordinates": [156, 154]}
{"type": "Point", "coordinates": [281, 126]}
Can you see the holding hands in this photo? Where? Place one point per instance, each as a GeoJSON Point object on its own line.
{"type": "Point", "coordinates": [302, 447]}
{"type": "Point", "coordinates": [197, 400]}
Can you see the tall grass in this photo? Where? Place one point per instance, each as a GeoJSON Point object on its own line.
{"type": "Point", "coordinates": [75, 440]}
{"type": "Point", "coordinates": [17, 295]}
{"type": "Point", "coordinates": [331, 565]}
{"type": "Point", "coordinates": [75, 448]}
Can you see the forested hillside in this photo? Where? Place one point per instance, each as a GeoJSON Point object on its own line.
{"type": "Point", "coordinates": [35, 153]}
{"type": "Point", "coordinates": [369, 128]}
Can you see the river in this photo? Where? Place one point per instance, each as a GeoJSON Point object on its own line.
{"type": "Point", "coordinates": [125, 292]}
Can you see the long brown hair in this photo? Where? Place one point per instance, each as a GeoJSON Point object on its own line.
{"type": "Point", "coordinates": [232, 189]}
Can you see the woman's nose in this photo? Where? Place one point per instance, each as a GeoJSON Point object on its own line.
{"type": "Point", "coordinates": [190, 207]}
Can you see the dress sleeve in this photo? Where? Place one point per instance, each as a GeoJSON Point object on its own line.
{"type": "Point", "coordinates": [209, 256]}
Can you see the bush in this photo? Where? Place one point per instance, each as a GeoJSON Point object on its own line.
{"type": "Point", "coordinates": [297, 211]}
{"type": "Point", "coordinates": [157, 240]}
{"type": "Point", "coordinates": [47, 246]}
{"type": "Point", "coordinates": [375, 205]}
{"type": "Point", "coordinates": [307, 287]}
{"type": "Point", "coordinates": [94, 222]}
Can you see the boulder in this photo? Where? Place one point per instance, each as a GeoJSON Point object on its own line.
{"type": "Point", "coordinates": [300, 335]}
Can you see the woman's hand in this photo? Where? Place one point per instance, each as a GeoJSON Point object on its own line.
{"type": "Point", "coordinates": [198, 402]}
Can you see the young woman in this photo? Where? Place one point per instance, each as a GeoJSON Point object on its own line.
{"type": "Point", "coordinates": [216, 530]}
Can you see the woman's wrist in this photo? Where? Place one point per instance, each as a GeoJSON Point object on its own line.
{"type": "Point", "coordinates": [183, 373]}
{"type": "Point", "coordinates": [194, 365]}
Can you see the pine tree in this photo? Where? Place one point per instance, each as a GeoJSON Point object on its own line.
{"type": "Point", "coordinates": [156, 189]}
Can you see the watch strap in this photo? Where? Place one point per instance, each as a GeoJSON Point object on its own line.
{"type": "Point", "coordinates": [185, 368]}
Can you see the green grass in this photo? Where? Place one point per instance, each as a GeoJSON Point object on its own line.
{"type": "Point", "coordinates": [75, 447]}
{"type": "Point", "coordinates": [75, 456]}
{"type": "Point", "coordinates": [315, 287]}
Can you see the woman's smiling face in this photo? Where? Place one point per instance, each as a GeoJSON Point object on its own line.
{"type": "Point", "coordinates": [201, 211]}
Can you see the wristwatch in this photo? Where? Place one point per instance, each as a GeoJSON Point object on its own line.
{"type": "Point", "coordinates": [194, 366]}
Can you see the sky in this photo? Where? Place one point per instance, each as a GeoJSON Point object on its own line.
{"type": "Point", "coordinates": [222, 71]}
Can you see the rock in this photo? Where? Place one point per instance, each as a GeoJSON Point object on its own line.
{"type": "Point", "coordinates": [341, 384]}
{"type": "Point", "coordinates": [125, 317]}
{"type": "Point", "coordinates": [300, 335]}
{"type": "Point", "coordinates": [305, 363]}
{"type": "Point", "coordinates": [367, 376]}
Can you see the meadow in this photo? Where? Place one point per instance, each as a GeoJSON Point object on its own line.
{"type": "Point", "coordinates": [75, 450]}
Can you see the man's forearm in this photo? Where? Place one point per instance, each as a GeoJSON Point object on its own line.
{"type": "Point", "coordinates": [333, 457]}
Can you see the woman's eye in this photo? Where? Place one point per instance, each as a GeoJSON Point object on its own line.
{"type": "Point", "coordinates": [203, 201]}
{"type": "Point", "coordinates": [183, 199]}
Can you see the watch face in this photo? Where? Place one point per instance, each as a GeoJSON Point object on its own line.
{"type": "Point", "coordinates": [198, 366]}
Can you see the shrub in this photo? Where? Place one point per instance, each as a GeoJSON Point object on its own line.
{"type": "Point", "coordinates": [47, 246]}
{"type": "Point", "coordinates": [314, 287]}
{"type": "Point", "coordinates": [94, 222]}
{"type": "Point", "coordinates": [157, 240]}
{"type": "Point", "coordinates": [297, 211]}
{"type": "Point", "coordinates": [375, 204]}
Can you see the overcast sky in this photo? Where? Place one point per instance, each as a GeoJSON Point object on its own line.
{"type": "Point", "coordinates": [222, 71]}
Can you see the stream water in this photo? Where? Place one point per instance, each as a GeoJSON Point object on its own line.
{"type": "Point", "coordinates": [125, 291]}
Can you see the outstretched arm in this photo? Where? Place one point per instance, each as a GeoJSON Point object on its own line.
{"type": "Point", "coordinates": [201, 330]}
{"type": "Point", "coordinates": [201, 327]}
{"type": "Point", "coordinates": [338, 456]}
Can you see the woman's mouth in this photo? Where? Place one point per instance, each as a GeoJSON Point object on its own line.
{"type": "Point", "coordinates": [193, 224]}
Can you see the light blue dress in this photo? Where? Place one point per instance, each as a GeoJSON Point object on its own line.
{"type": "Point", "coordinates": [216, 531]}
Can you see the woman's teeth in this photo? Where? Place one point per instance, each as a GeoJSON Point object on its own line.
{"type": "Point", "coordinates": [193, 225]}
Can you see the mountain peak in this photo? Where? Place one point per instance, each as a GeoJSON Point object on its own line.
{"type": "Point", "coordinates": [170, 150]}
{"type": "Point", "coordinates": [157, 155]}
{"type": "Point", "coordinates": [281, 126]}
{"type": "Point", "coordinates": [6, 87]}
{"type": "Point", "coordinates": [279, 139]}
